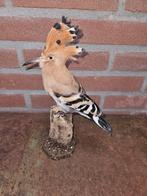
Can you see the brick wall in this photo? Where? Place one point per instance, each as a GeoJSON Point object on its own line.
{"type": "Point", "coordinates": [115, 35]}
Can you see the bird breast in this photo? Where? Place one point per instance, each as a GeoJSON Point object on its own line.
{"type": "Point", "coordinates": [59, 80]}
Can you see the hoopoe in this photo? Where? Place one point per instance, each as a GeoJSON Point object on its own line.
{"type": "Point", "coordinates": [58, 81]}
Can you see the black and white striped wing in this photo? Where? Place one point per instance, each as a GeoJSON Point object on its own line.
{"type": "Point", "coordinates": [82, 104]}
{"type": "Point", "coordinates": [85, 106]}
{"type": "Point", "coordinates": [79, 103]}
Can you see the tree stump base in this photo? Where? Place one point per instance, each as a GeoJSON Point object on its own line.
{"type": "Point", "coordinates": [57, 151]}
{"type": "Point", "coordinates": [60, 143]}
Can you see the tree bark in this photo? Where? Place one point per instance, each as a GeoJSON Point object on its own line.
{"type": "Point", "coordinates": [61, 127]}
{"type": "Point", "coordinates": [60, 143]}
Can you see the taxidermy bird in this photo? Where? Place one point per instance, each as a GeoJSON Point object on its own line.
{"type": "Point", "coordinates": [58, 81]}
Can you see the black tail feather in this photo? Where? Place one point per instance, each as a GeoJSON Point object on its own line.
{"type": "Point", "coordinates": [104, 125]}
{"type": "Point", "coordinates": [99, 120]}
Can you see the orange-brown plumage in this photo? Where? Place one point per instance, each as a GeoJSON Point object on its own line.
{"type": "Point", "coordinates": [57, 78]}
{"type": "Point", "coordinates": [58, 81]}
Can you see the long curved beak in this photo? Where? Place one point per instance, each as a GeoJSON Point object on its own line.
{"type": "Point", "coordinates": [32, 63]}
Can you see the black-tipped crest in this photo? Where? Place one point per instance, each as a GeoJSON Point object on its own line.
{"type": "Point", "coordinates": [72, 32]}
{"type": "Point", "coordinates": [66, 21]}
{"type": "Point", "coordinates": [57, 26]}
{"type": "Point", "coordinates": [84, 53]}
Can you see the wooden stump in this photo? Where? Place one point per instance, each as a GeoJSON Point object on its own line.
{"type": "Point", "coordinates": [60, 143]}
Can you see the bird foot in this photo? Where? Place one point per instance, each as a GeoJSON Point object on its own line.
{"type": "Point", "coordinates": [60, 114]}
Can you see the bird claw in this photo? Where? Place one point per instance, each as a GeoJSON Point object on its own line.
{"type": "Point", "coordinates": [60, 114]}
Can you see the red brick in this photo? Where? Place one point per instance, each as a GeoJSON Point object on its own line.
{"type": "Point", "coordinates": [34, 82]}
{"type": "Point", "coordinates": [8, 58]}
{"type": "Point", "coordinates": [31, 29]}
{"type": "Point", "coordinates": [146, 88]}
{"type": "Point", "coordinates": [12, 101]}
{"type": "Point", "coordinates": [95, 31]}
{"type": "Point", "coordinates": [45, 101]}
{"type": "Point", "coordinates": [103, 5]}
{"type": "Point", "coordinates": [19, 81]}
{"type": "Point", "coordinates": [114, 32]}
{"type": "Point", "coordinates": [136, 5]}
{"type": "Point", "coordinates": [131, 61]}
{"type": "Point", "coordinates": [41, 101]}
{"type": "Point", "coordinates": [111, 83]}
{"type": "Point", "coordinates": [124, 102]}
{"type": "Point", "coordinates": [1, 2]}
{"type": "Point", "coordinates": [95, 98]}
{"type": "Point", "coordinates": [31, 53]}
{"type": "Point", "coordinates": [93, 61]}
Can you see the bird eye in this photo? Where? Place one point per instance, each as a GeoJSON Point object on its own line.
{"type": "Point", "coordinates": [50, 57]}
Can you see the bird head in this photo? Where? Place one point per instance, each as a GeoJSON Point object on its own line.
{"type": "Point", "coordinates": [59, 45]}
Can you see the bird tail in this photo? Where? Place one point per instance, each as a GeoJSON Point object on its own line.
{"type": "Point", "coordinates": [99, 120]}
